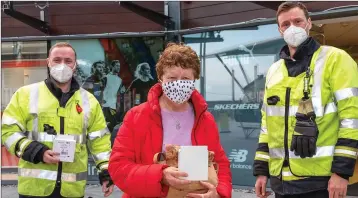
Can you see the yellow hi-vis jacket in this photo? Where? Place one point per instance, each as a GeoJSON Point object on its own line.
{"type": "Point", "coordinates": [23, 121]}
{"type": "Point", "coordinates": [334, 93]}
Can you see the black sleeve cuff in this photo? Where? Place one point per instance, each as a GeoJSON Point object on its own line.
{"type": "Point", "coordinates": [346, 177]}
{"type": "Point", "coordinates": [104, 176]}
{"type": "Point", "coordinates": [343, 166]}
{"type": "Point", "coordinates": [34, 152]}
{"type": "Point", "coordinates": [261, 168]}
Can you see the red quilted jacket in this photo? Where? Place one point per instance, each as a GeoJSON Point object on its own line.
{"type": "Point", "coordinates": [141, 136]}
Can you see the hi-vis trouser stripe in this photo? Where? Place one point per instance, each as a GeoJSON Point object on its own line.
{"type": "Point", "coordinates": [52, 175]}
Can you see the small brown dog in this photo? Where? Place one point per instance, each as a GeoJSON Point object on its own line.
{"type": "Point", "coordinates": [170, 157]}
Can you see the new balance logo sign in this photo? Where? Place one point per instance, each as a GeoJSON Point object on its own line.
{"type": "Point", "coordinates": [239, 156]}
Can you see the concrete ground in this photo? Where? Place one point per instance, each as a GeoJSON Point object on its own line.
{"type": "Point", "coordinates": [94, 191]}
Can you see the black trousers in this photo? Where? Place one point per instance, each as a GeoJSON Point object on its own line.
{"type": "Point", "coordinates": [315, 194]}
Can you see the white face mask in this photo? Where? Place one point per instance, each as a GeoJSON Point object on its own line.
{"type": "Point", "coordinates": [61, 73]}
{"type": "Point", "coordinates": [294, 35]}
{"type": "Point", "coordinates": [178, 91]}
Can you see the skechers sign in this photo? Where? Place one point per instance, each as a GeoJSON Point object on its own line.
{"type": "Point", "coordinates": [236, 106]}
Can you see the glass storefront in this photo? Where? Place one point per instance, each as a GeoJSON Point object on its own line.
{"type": "Point", "coordinates": [22, 63]}
{"type": "Point", "coordinates": [120, 71]}
{"type": "Point", "coordinates": [235, 63]}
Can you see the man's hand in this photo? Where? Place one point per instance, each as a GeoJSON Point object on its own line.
{"type": "Point", "coordinates": [337, 186]}
{"type": "Point", "coordinates": [51, 157]}
{"type": "Point", "coordinates": [107, 190]}
{"type": "Point", "coordinates": [212, 193]}
{"type": "Point", "coordinates": [260, 187]}
{"type": "Point", "coordinates": [171, 177]}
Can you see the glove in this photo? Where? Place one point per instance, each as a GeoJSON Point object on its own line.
{"type": "Point", "coordinates": [305, 135]}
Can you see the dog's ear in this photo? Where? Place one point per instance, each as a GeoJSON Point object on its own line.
{"type": "Point", "coordinates": [159, 158]}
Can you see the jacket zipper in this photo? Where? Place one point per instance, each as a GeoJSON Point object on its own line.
{"type": "Point", "coordinates": [287, 110]}
{"type": "Point", "coordinates": [196, 124]}
{"type": "Point", "coordinates": [62, 131]}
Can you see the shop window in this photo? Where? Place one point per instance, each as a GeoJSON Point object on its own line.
{"type": "Point", "coordinates": [235, 63]}
{"type": "Point", "coordinates": [22, 63]}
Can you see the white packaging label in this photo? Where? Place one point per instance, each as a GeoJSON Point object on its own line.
{"type": "Point", "coordinates": [65, 145]}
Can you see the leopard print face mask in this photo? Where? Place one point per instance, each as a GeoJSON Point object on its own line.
{"type": "Point", "coordinates": [178, 91]}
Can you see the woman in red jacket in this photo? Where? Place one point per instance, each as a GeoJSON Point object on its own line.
{"type": "Point", "coordinates": [175, 113]}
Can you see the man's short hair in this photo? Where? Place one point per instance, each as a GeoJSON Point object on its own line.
{"type": "Point", "coordinates": [62, 44]}
{"type": "Point", "coordinates": [286, 6]}
{"type": "Point", "coordinates": [113, 63]}
{"type": "Point", "coordinates": [94, 66]}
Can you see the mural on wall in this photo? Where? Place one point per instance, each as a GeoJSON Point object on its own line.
{"type": "Point", "coordinates": [118, 72]}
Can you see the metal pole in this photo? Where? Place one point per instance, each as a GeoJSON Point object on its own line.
{"type": "Point", "coordinates": [201, 66]}
{"type": "Point", "coordinates": [228, 70]}
{"type": "Point", "coordinates": [233, 84]}
{"type": "Point", "coordinates": [204, 68]}
{"type": "Point", "coordinates": [255, 84]}
{"type": "Point", "coordinates": [242, 70]}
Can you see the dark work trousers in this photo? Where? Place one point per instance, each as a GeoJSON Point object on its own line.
{"type": "Point", "coordinates": [315, 194]}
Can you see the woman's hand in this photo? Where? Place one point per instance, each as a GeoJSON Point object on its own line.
{"type": "Point", "coordinates": [171, 177]}
{"type": "Point", "coordinates": [212, 193]}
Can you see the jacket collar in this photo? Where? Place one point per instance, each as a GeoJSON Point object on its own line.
{"type": "Point", "coordinates": [57, 92]}
{"type": "Point", "coordinates": [307, 48]}
{"type": "Point", "coordinates": [199, 103]}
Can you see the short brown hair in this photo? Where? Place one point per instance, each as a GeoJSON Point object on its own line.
{"type": "Point", "coordinates": [62, 44]}
{"type": "Point", "coordinates": [286, 6]}
{"type": "Point", "coordinates": [178, 55]}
